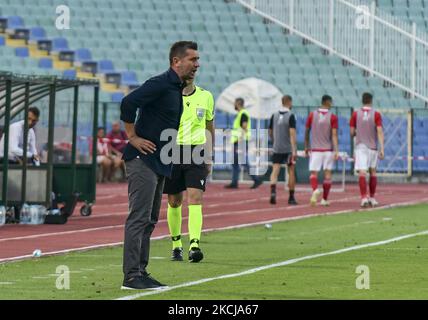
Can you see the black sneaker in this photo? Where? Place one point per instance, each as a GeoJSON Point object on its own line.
{"type": "Point", "coordinates": [141, 283]}
{"type": "Point", "coordinates": [231, 186]}
{"type": "Point", "coordinates": [257, 184]}
{"type": "Point", "coordinates": [177, 254]}
{"type": "Point", "coordinates": [195, 255]}
{"type": "Point", "coordinates": [292, 201]}
{"type": "Point", "coordinates": [272, 199]}
{"type": "Point", "coordinates": [149, 278]}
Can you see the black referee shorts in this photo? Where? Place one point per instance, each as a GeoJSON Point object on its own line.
{"type": "Point", "coordinates": [186, 176]}
{"type": "Point", "coordinates": [281, 158]}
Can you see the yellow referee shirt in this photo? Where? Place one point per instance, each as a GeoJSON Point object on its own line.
{"type": "Point", "coordinates": [198, 107]}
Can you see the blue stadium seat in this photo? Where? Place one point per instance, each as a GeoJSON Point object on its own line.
{"type": "Point", "coordinates": [2, 41]}
{"type": "Point", "coordinates": [117, 96]}
{"type": "Point", "coordinates": [45, 63]}
{"type": "Point", "coordinates": [14, 22]}
{"type": "Point", "coordinates": [59, 44]}
{"type": "Point", "coordinates": [105, 66]}
{"type": "Point", "coordinates": [22, 52]}
{"type": "Point", "coordinates": [37, 33]}
{"type": "Point", "coordinates": [129, 78]}
{"type": "Point", "coordinates": [69, 74]}
{"type": "Point", "coordinates": [83, 54]}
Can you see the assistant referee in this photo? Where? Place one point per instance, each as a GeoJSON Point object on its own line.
{"type": "Point", "coordinates": [190, 174]}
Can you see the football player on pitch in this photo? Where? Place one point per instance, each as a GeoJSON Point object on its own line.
{"type": "Point", "coordinates": [366, 127]}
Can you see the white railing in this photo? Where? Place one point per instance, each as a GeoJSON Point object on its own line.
{"type": "Point", "coordinates": [359, 33]}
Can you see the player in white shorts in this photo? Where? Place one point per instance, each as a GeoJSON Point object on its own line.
{"type": "Point", "coordinates": [321, 128]}
{"type": "Point", "coordinates": [366, 127]}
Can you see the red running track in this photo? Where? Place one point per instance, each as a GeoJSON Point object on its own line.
{"type": "Point", "coordinates": [222, 208]}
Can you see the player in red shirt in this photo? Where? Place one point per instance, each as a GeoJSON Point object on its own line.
{"type": "Point", "coordinates": [321, 128]}
{"type": "Point", "coordinates": [366, 127]}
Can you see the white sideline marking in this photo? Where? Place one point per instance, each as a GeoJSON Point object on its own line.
{"type": "Point", "coordinates": [275, 265]}
{"type": "Point", "coordinates": [239, 226]}
{"type": "Point", "coordinates": [61, 233]}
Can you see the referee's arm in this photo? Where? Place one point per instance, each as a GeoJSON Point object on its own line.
{"type": "Point", "coordinates": [210, 139]}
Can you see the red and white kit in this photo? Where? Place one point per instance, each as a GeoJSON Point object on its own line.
{"type": "Point", "coordinates": [321, 123]}
{"type": "Point", "coordinates": [365, 121]}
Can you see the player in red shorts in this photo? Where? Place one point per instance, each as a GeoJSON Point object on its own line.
{"type": "Point", "coordinates": [321, 127]}
{"type": "Point", "coordinates": [366, 127]}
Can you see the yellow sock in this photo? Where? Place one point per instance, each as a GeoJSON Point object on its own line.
{"type": "Point", "coordinates": [174, 224]}
{"type": "Point", "coordinates": [195, 224]}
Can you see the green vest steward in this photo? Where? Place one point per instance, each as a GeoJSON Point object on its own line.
{"type": "Point", "coordinates": [236, 131]}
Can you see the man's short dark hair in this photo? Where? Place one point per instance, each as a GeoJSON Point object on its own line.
{"type": "Point", "coordinates": [240, 101]}
{"type": "Point", "coordinates": [179, 48]}
{"type": "Point", "coordinates": [35, 111]}
{"type": "Point", "coordinates": [287, 97]}
{"type": "Point", "coordinates": [367, 98]}
{"type": "Point", "coordinates": [326, 98]}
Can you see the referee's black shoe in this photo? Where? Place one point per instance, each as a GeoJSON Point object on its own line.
{"type": "Point", "coordinates": [177, 254]}
{"type": "Point", "coordinates": [292, 201]}
{"type": "Point", "coordinates": [195, 255]}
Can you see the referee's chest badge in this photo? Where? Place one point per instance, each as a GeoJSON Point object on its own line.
{"type": "Point", "coordinates": [200, 113]}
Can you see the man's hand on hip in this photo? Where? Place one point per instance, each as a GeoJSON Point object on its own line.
{"type": "Point", "coordinates": [142, 145]}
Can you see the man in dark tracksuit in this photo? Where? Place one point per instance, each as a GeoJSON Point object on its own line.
{"type": "Point", "coordinates": [159, 105]}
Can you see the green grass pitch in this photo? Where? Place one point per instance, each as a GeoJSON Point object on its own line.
{"type": "Point", "coordinates": [397, 270]}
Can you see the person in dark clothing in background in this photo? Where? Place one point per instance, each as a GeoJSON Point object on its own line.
{"type": "Point", "coordinates": [282, 130]}
{"type": "Point", "coordinates": [159, 104]}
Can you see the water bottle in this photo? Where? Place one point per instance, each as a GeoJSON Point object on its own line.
{"type": "Point", "coordinates": [2, 215]}
{"type": "Point", "coordinates": [42, 212]}
{"type": "Point", "coordinates": [32, 212]}
{"type": "Point", "coordinates": [24, 217]}
{"type": "Point", "coordinates": [37, 214]}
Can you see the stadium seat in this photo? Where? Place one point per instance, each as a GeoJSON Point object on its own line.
{"type": "Point", "coordinates": [14, 22]}
{"type": "Point", "coordinates": [45, 63]}
{"type": "Point", "coordinates": [83, 54]}
{"type": "Point", "coordinates": [22, 52]}
{"type": "Point", "coordinates": [129, 78]}
{"type": "Point", "coordinates": [59, 43]}
{"type": "Point", "coordinates": [105, 66]}
{"type": "Point", "coordinates": [37, 33]}
{"type": "Point", "coordinates": [259, 49]}
{"type": "Point", "coordinates": [69, 74]}
{"type": "Point", "coordinates": [117, 96]}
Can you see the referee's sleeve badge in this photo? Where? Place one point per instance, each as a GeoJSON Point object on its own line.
{"type": "Point", "coordinates": [200, 113]}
